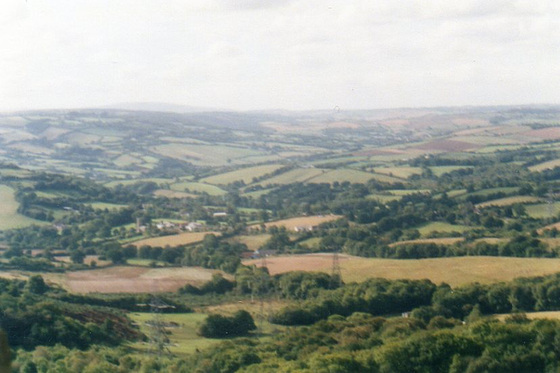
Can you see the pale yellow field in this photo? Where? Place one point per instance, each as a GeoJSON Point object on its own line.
{"type": "Point", "coordinates": [454, 271]}
{"type": "Point", "coordinates": [507, 201]}
{"type": "Point", "coordinates": [402, 172]}
{"type": "Point", "coordinates": [174, 239]}
{"type": "Point", "coordinates": [123, 279]}
{"type": "Point", "coordinates": [545, 166]}
{"type": "Point", "coordinates": [302, 221]}
{"type": "Point", "coordinates": [341, 175]}
{"type": "Point", "coordinates": [253, 242]}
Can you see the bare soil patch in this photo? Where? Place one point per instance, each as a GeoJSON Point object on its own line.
{"type": "Point", "coordinates": [124, 279]}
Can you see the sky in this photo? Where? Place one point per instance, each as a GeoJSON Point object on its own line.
{"type": "Point", "coordinates": [279, 54]}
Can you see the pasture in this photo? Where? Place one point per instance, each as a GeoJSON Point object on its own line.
{"type": "Point", "coordinates": [302, 221]}
{"type": "Point", "coordinates": [193, 187]}
{"type": "Point", "coordinates": [400, 172]}
{"type": "Point", "coordinates": [549, 165]}
{"type": "Point", "coordinates": [181, 328]}
{"type": "Point", "coordinates": [543, 210]}
{"type": "Point", "coordinates": [440, 170]}
{"type": "Point", "coordinates": [245, 174]}
{"type": "Point", "coordinates": [9, 217]}
{"type": "Point", "coordinates": [125, 279]}
{"type": "Point", "coordinates": [442, 228]}
{"type": "Point", "coordinates": [508, 201]}
{"type": "Point", "coordinates": [173, 239]}
{"type": "Point", "coordinates": [253, 242]}
{"type": "Point", "coordinates": [297, 175]}
{"type": "Point", "coordinates": [454, 271]}
{"type": "Point", "coordinates": [341, 175]}
{"type": "Point", "coordinates": [207, 155]}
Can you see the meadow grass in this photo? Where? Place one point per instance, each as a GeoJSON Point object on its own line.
{"type": "Point", "coordinates": [194, 187]}
{"type": "Point", "coordinates": [440, 170]}
{"type": "Point", "coordinates": [292, 176]}
{"type": "Point", "coordinates": [443, 227]}
{"type": "Point", "coordinates": [245, 174]}
{"type": "Point", "coordinates": [341, 175]}
{"type": "Point", "coordinates": [508, 201]}
{"type": "Point", "coordinates": [9, 217]}
{"type": "Point", "coordinates": [545, 166]}
{"type": "Point", "coordinates": [253, 242]}
{"type": "Point", "coordinates": [400, 172]}
{"type": "Point", "coordinates": [543, 210]}
{"type": "Point", "coordinates": [174, 239]}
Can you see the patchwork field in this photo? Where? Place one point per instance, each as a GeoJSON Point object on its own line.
{"type": "Point", "coordinates": [298, 175]}
{"type": "Point", "coordinates": [549, 165]}
{"type": "Point", "coordinates": [246, 175]}
{"type": "Point", "coordinates": [253, 242]}
{"type": "Point", "coordinates": [197, 188]}
{"type": "Point", "coordinates": [302, 221]}
{"type": "Point", "coordinates": [341, 175]}
{"type": "Point", "coordinates": [543, 210]}
{"type": "Point", "coordinates": [454, 271]}
{"type": "Point", "coordinates": [9, 217]}
{"type": "Point", "coordinates": [441, 227]}
{"type": "Point", "coordinates": [206, 155]}
{"type": "Point", "coordinates": [174, 239]}
{"type": "Point", "coordinates": [123, 279]}
{"type": "Point", "coordinates": [401, 172]}
{"type": "Point", "coordinates": [508, 201]}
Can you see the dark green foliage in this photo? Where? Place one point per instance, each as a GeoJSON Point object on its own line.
{"type": "Point", "coordinates": [218, 326]}
{"type": "Point", "coordinates": [374, 296]}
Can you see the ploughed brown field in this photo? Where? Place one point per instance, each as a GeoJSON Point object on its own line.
{"type": "Point", "coordinates": [124, 279]}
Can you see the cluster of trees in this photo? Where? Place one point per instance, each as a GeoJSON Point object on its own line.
{"type": "Point", "coordinates": [219, 326]}
{"type": "Point", "coordinates": [31, 315]}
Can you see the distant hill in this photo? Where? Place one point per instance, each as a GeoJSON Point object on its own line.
{"type": "Point", "coordinates": [161, 107]}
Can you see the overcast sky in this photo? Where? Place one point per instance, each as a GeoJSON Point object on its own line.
{"type": "Point", "coordinates": [289, 54]}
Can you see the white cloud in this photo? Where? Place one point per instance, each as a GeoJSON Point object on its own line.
{"type": "Point", "coordinates": [249, 54]}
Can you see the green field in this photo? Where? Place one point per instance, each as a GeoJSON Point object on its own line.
{"type": "Point", "coordinates": [182, 329]}
{"type": "Point", "coordinates": [442, 228]}
{"type": "Point", "coordinates": [207, 155]}
{"type": "Point", "coordinates": [401, 172]}
{"type": "Point", "coordinates": [543, 210]}
{"type": "Point", "coordinates": [384, 198]}
{"type": "Point", "coordinates": [341, 175]}
{"type": "Point", "coordinates": [486, 192]}
{"type": "Point", "coordinates": [9, 218]}
{"type": "Point", "coordinates": [508, 201]}
{"type": "Point", "coordinates": [545, 166]}
{"type": "Point", "coordinates": [297, 175]}
{"type": "Point", "coordinates": [194, 187]}
{"type": "Point", "coordinates": [246, 175]}
{"type": "Point", "coordinates": [440, 170]}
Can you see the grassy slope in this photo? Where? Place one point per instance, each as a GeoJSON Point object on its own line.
{"type": "Point", "coordinates": [9, 218]}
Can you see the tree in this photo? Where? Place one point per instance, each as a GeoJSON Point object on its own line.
{"type": "Point", "coordinates": [36, 285]}
{"type": "Point", "coordinates": [77, 256]}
